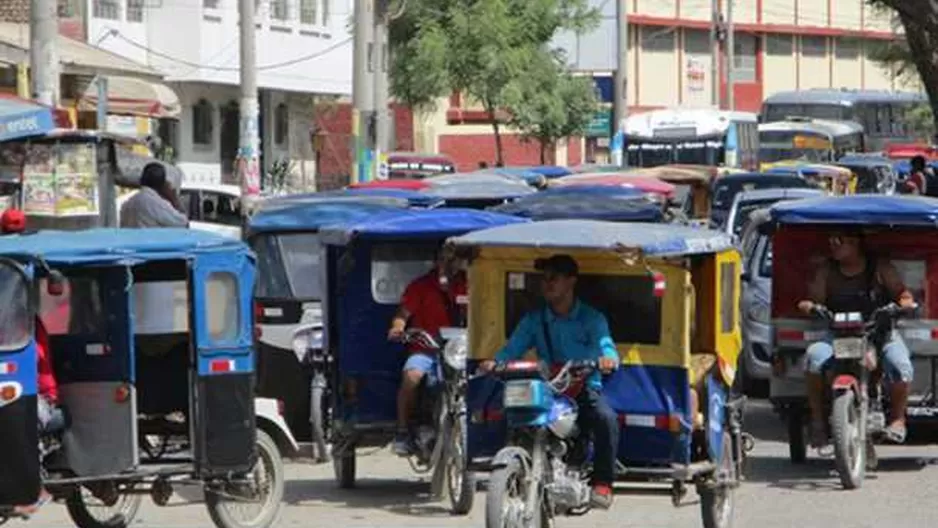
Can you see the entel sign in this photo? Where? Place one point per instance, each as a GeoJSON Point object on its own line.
{"type": "Point", "coordinates": [19, 126]}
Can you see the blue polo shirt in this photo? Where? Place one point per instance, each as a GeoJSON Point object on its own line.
{"type": "Point", "coordinates": [582, 334]}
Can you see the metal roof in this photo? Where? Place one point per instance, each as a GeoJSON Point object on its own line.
{"type": "Point", "coordinates": [821, 126]}
{"type": "Point", "coordinates": [846, 97]}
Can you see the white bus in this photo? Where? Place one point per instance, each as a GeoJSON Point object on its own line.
{"type": "Point", "coordinates": [693, 136]}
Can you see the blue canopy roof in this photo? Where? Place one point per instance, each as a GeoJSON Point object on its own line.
{"type": "Point", "coordinates": [860, 209]}
{"type": "Point", "coordinates": [414, 224]}
{"type": "Point", "coordinates": [413, 198]}
{"type": "Point", "coordinates": [551, 171]}
{"type": "Point", "coordinates": [593, 190]}
{"type": "Point", "coordinates": [653, 239]}
{"type": "Point", "coordinates": [545, 206]}
{"type": "Point", "coordinates": [115, 246]}
{"type": "Point", "coordinates": [313, 215]}
{"type": "Point", "coordinates": [21, 118]}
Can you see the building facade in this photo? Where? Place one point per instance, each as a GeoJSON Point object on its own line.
{"type": "Point", "coordinates": [304, 53]}
{"type": "Point", "coordinates": [779, 45]}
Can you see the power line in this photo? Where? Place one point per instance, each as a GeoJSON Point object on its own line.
{"type": "Point", "coordinates": [191, 64]}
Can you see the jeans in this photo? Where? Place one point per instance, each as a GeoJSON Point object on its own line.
{"type": "Point", "coordinates": [895, 356]}
{"type": "Point", "coordinates": [597, 417]}
{"type": "Point", "coordinates": [425, 364]}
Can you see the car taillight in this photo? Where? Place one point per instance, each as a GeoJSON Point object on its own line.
{"type": "Point", "coordinates": [258, 313]}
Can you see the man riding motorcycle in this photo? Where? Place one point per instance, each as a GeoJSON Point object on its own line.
{"type": "Point", "coordinates": [852, 281]}
{"type": "Point", "coordinates": [567, 329]}
{"type": "Point", "coordinates": [429, 303]}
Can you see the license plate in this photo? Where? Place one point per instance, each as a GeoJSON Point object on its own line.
{"type": "Point", "coordinates": [518, 394]}
{"type": "Point", "coordinates": [849, 348]}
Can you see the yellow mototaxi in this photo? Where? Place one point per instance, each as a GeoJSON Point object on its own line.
{"type": "Point", "coordinates": [834, 179]}
{"type": "Point", "coordinates": [670, 294]}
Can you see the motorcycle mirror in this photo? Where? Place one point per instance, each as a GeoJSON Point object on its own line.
{"type": "Point", "coordinates": [55, 283]}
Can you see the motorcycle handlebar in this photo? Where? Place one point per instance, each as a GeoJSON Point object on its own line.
{"type": "Point", "coordinates": [891, 310]}
{"type": "Point", "coordinates": [415, 335]}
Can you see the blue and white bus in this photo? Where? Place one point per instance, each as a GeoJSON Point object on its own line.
{"type": "Point", "coordinates": [883, 115]}
{"type": "Point", "coordinates": [693, 136]}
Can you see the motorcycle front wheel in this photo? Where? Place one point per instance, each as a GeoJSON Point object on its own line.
{"type": "Point", "coordinates": [504, 500]}
{"type": "Point", "coordinates": [848, 439]}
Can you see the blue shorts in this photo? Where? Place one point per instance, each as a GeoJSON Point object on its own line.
{"type": "Point", "coordinates": [424, 363]}
{"type": "Point", "coordinates": [897, 361]}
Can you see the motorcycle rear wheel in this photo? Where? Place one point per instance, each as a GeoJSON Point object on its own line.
{"type": "Point", "coordinates": [849, 444]}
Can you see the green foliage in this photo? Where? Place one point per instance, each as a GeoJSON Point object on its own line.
{"type": "Point", "coordinates": [922, 121]}
{"type": "Point", "coordinates": [550, 103]}
{"type": "Point", "coordinates": [480, 48]}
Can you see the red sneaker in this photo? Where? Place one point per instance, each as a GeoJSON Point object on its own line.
{"type": "Point", "coordinates": [601, 496]}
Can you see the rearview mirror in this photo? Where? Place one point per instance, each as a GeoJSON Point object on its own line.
{"type": "Point", "coordinates": [55, 283]}
{"type": "Point", "coordinates": [745, 277]}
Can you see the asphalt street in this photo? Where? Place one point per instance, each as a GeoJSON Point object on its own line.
{"type": "Point", "coordinates": [902, 493]}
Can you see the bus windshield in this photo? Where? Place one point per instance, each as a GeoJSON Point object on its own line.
{"type": "Point", "coordinates": [653, 153]}
{"type": "Point", "coordinates": [795, 144]}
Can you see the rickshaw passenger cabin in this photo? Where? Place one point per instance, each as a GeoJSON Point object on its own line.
{"type": "Point", "coordinates": [899, 229]}
{"type": "Point", "coordinates": [109, 374]}
{"type": "Point", "coordinates": [671, 297]}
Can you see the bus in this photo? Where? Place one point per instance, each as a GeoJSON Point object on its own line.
{"type": "Point", "coordinates": [812, 140]}
{"type": "Point", "coordinates": [883, 115]}
{"type": "Point", "coordinates": [716, 138]}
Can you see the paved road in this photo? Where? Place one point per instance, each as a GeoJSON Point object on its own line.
{"type": "Point", "coordinates": [776, 495]}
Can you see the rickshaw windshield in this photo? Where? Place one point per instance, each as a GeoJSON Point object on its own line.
{"type": "Point", "coordinates": [394, 266]}
{"type": "Point", "coordinates": [628, 302]}
{"type": "Point", "coordinates": [288, 266]}
{"type": "Point", "coordinates": [16, 321]}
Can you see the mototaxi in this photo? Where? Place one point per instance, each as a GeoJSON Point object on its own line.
{"type": "Point", "coordinates": [291, 365]}
{"type": "Point", "coordinates": [613, 204]}
{"type": "Point", "coordinates": [833, 179]}
{"type": "Point", "coordinates": [368, 265]}
{"type": "Point", "coordinates": [671, 296]}
{"type": "Point", "coordinates": [900, 228]}
{"type": "Point", "coordinates": [119, 386]}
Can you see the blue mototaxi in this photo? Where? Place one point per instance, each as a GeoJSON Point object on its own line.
{"type": "Point", "coordinates": [875, 174]}
{"type": "Point", "coordinates": [586, 205]}
{"type": "Point", "coordinates": [368, 264]}
{"type": "Point", "coordinates": [117, 383]}
{"type": "Point", "coordinates": [284, 234]}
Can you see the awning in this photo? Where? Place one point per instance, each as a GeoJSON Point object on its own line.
{"type": "Point", "coordinates": [22, 118]}
{"type": "Point", "coordinates": [79, 57]}
{"type": "Point", "coordinates": [132, 96]}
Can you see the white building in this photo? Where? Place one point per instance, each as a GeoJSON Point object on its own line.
{"type": "Point", "coordinates": [304, 50]}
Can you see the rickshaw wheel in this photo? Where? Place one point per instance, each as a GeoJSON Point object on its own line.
{"type": "Point", "coordinates": [461, 481]}
{"type": "Point", "coordinates": [797, 448]}
{"type": "Point", "coordinates": [718, 502]}
{"type": "Point", "coordinates": [344, 467]}
{"type": "Point", "coordinates": [121, 513]}
{"type": "Point", "coordinates": [270, 497]}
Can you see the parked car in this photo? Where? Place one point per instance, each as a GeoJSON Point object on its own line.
{"type": "Point", "coordinates": [213, 207]}
{"type": "Point", "coordinates": [755, 300]}
{"type": "Point", "coordinates": [748, 201]}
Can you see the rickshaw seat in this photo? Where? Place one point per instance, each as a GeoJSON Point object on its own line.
{"type": "Point", "coordinates": [162, 369]}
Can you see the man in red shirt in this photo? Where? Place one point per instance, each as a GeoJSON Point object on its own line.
{"type": "Point", "coordinates": [430, 302]}
{"type": "Point", "coordinates": [917, 183]}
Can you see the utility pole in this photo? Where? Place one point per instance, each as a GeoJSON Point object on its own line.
{"type": "Point", "coordinates": [382, 93]}
{"type": "Point", "coordinates": [363, 91]}
{"type": "Point", "coordinates": [621, 88]}
{"type": "Point", "coordinates": [43, 51]}
{"type": "Point", "coordinates": [248, 161]}
{"type": "Point", "coordinates": [715, 53]}
{"type": "Point", "coordinates": [730, 56]}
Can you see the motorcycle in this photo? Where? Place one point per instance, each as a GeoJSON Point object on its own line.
{"type": "Point", "coordinates": [854, 401]}
{"type": "Point", "coordinates": [543, 471]}
{"type": "Point", "coordinates": [439, 441]}
{"type": "Point", "coordinates": [309, 350]}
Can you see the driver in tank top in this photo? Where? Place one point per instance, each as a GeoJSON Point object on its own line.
{"type": "Point", "coordinates": [852, 281]}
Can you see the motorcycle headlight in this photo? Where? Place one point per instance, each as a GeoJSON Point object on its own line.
{"type": "Point", "coordinates": [456, 352]}
{"type": "Point", "coordinates": [760, 312]}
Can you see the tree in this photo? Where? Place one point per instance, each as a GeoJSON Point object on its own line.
{"type": "Point", "coordinates": [549, 103]}
{"type": "Point", "coordinates": [478, 48]}
{"type": "Point", "coordinates": [919, 49]}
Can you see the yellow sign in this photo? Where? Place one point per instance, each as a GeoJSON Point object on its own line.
{"type": "Point", "coordinates": [811, 142]}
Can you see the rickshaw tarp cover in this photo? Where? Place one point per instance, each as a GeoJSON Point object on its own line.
{"type": "Point", "coordinates": [115, 246]}
{"type": "Point", "coordinates": [414, 224]}
{"type": "Point", "coordinates": [860, 210]}
{"type": "Point", "coordinates": [479, 189]}
{"type": "Point", "coordinates": [652, 239]}
{"type": "Point", "coordinates": [592, 190]}
{"type": "Point", "coordinates": [585, 206]}
{"type": "Point", "coordinates": [313, 216]}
